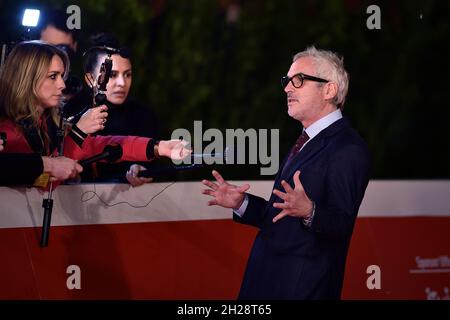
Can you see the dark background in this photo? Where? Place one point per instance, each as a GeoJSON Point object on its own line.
{"type": "Point", "coordinates": [193, 61]}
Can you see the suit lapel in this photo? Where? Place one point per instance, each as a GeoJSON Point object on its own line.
{"type": "Point", "coordinates": [309, 151]}
{"type": "Point", "coordinates": [305, 155]}
{"type": "Point", "coordinates": [299, 160]}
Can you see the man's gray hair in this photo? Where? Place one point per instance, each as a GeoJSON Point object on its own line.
{"type": "Point", "coordinates": [329, 66]}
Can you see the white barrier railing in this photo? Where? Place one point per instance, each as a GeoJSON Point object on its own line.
{"type": "Point", "coordinates": [120, 203]}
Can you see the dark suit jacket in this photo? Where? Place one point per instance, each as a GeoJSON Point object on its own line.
{"type": "Point", "coordinates": [289, 260]}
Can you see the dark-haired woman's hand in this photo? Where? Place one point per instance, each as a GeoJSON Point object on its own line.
{"type": "Point", "coordinates": [93, 120]}
{"type": "Point", "coordinates": [132, 176]}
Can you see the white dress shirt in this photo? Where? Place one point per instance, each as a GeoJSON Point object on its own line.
{"type": "Point", "coordinates": [312, 131]}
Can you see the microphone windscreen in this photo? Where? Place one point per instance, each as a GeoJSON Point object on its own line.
{"type": "Point", "coordinates": [114, 151]}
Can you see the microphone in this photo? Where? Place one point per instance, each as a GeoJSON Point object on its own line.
{"type": "Point", "coordinates": [213, 155]}
{"type": "Point", "coordinates": [111, 153]}
{"type": "Point", "coordinates": [159, 171]}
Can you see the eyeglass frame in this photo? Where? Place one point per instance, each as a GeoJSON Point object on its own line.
{"type": "Point", "coordinates": [286, 79]}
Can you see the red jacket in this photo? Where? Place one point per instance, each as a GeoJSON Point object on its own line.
{"type": "Point", "coordinates": [134, 148]}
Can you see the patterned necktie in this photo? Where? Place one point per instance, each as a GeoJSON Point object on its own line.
{"type": "Point", "coordinates": [295, 149]}
{"type": "Point", "coordinates": [299, 144]}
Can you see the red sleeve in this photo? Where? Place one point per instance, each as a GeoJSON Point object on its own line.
{"type": "Point", "coordinates": [134, 148]}
{"type": "Point", "coordinates": [15, 140]}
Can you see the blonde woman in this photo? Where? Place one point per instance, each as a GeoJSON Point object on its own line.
{"type": "Point", "coordinates": [31, 84]}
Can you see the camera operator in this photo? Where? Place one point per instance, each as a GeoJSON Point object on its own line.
{"type": "Point", "coordinates": [54, 31]}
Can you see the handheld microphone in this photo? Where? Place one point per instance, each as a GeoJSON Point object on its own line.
{"type": "Point", "coordinates": [224, 157]}
{"type": "Point", "coordinates": [111, 153]}
{"type": "Point", "coordinates": [158, 171]}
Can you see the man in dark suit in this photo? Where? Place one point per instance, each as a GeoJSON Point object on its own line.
{"type": "Point", "coordinates": [306, 226]}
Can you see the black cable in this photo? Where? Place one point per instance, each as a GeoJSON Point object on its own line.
{"type": "Point", "coordinates": [94, 194]}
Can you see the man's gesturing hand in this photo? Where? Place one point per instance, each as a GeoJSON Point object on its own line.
{"type": "Point", "coordinates": [225, 195]}
{"type": "Point", "coordinates": [296, 202]}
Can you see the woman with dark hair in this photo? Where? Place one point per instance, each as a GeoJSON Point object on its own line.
{"type": "Point", "coordinates": [126, 116]}
{"type": "Point", "coordinates": [31, 84]}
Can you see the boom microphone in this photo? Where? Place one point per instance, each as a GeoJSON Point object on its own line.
{"type": "Point", "coordinates": [111, 153]}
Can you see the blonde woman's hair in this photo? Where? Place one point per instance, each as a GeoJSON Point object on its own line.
{"type": "Point", "coordinates": [24, 70]}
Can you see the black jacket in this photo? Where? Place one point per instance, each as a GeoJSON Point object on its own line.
{"type": "Point", "coordinates": [128, 119]}
{"type": "Point", "coordinates": [20, 168]}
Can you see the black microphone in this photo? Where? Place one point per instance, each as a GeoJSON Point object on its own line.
{"type": "Point", "coordinates": [111, 153]}
{"type": "Point", "coordinates": [159, 171]}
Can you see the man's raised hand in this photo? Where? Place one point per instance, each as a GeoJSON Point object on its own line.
{"type": "Point", "coordinates": [225, 195]}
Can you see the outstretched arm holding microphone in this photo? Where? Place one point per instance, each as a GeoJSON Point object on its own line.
{"type": "Point", "coordinates": [33, 128]}
{"type": "Point", "coordinates": [31, 90]}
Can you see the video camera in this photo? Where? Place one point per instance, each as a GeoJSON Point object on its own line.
{"type": "Point", "coordinates": [99, 86]}
{"type": "Point", "coordinates": [30, 19]}
{"type": "Point", "coordinates": [30, 25]}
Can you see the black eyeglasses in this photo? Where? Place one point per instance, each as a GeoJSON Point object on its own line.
{"type": "Point", "coordinates": [297, 80]}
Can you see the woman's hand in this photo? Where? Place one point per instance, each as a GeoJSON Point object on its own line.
{"type": "Point", "coordinates": [132, 176]}
{"type": "Point", "coordinates": [61, 168]}
{"type": "Point", "coordinates": [93, 120]}
{"type": "Point", "coordinates": [174, 149]}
